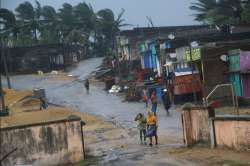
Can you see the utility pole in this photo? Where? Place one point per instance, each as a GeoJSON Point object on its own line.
{"type": "Point", "coordinates": [117, 54]}
{"type": "Point", "coordinates": [192, 68]}
{"type": "Point", "coordinates": [2, 95]}
{"type": "Point", "coordinates": [5, 66]}
{"type": "Point", "coordinates": [3, 58]}
{"type": "Point", "coordinates": [1, 88]}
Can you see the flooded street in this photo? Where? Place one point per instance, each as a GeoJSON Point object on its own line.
{"type": "Point", "coordinates": [119, 145]}
{"type": "Point", "coordinates": [114, 83]}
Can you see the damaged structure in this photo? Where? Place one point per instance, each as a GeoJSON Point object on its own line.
{"type": "Point", "coordinates": [42, 57]}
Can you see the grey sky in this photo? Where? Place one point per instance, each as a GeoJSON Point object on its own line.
{"type": "Point", "coordinates": [162, 12]}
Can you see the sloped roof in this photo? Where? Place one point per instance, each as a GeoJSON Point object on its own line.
{"type": "Point", "coordinates": [161, 31]}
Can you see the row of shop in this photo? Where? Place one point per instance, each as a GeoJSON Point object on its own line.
{"type": "Point", "coordinates": [175, 70]}
{"type": "Point", "coordinates": [191, 72]}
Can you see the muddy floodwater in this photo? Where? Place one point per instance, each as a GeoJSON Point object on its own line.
{"type": "Point", "coordinates": [119, 144]}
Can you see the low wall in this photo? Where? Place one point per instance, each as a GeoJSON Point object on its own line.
{"type": "Point", "coordinates": [49, 143]}
{"type": "Point", "coordinates": [232, 132]}
{"type": "Point", "coordinates": [220, 131]}
{"type": "Point", "coordinates": [195, 124]}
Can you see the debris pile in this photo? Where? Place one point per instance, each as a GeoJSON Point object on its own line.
{"type": "Point", "coordinates": [120, 79]}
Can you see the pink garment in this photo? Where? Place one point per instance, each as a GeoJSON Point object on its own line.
{"type": "Point", "coordinates": [246, 85]}
{"type": "Point", "coordinates": [245, 60]}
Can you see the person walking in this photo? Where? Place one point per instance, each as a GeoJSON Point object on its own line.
{"type": "Point", "coordinates": [152, 128]}
{"type": "Point", "coordinates": [43, 104]}
{"type": "Point", "coordinates": [154, 102]}
{"type": "Point", "coordinates": [86, 84]}
{"type": "Point", "coordinates": [142, 124]}
{"type": "Point", "coordinates": [145, 97]}
{"type": "Point", "coordinates": [166, 101]}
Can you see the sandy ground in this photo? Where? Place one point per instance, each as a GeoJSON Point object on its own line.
{"type": "Point", "coordinates": [12, 96]}
{"type": "Point", "coordinates": [24, 109]}
{"type": "Point", "coordinates": [112, 133]}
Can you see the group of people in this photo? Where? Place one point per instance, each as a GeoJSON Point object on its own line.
{"type": "Point", "coordinates": [154, 101]}
{"type": "Point", "coordinates": [148, 125]}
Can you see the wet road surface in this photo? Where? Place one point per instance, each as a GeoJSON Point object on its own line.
{"type": "Point", "coordinates": [112, 108]}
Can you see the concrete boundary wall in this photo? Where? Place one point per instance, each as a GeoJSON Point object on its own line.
{"type": "Point", "coordinates": [232, 132]}
{"type": "Point", "coordinates": [195, 124]}
{"type": "Point", "coordinates": [49, 143]}
{"type": "Point", "coordinates": [220, 131]}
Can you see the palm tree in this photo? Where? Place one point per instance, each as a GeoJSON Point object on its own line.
{"type": "Point", "coordinates": [218, 11]}
{"type": "Point", "coordinates": [85, 15]}
{"type": "Point", "coordinates": [110, 26]}
{"type": "Point", "coordinates": [49, 31]}
{"type": "Point", "coordinates": [76, 37]}
{"type": "Point", "coordinates": [29, 16]}
{"type": "Point", "coordinates": [245, 15]}
{"type": "Point", "coordinates": [8, 19]}
{"type": "Point", "coordinates": [71, 24]}
{"type": "Point", "coordinates": [203, 7]}
{"type": "Point", "coordinates": [85, 22]}
{"type": "Point", "coordinates": [67, 20]}
{"type": "Point", "coordinates": [8, 25]}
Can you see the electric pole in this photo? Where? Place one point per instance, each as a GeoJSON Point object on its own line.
{"type": "Point", "coordinates": [1, 87]}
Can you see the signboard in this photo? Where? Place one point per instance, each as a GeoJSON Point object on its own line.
{"type": "Point", "coordinates": [196, 54]}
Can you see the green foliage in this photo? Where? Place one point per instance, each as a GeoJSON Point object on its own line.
{"type": "Point", "coordinates": [66, 19]}
{"type": "Point", "coordinates": [110, 27]}
{"type": "Point", "coordinates": [85, 16]}
{"type": "Point", "coordinates": [29, 17]}
{"type": "Point", "coordinates": [246, 13]}
{"type": "Point", "coordinates": [49, 28]}
{"type": "Point", "coordinates": [25, 11]}
{"type": "Point", "coordinates": [7, 24]}
{"type": "Point", "coordinates": [221, 11]}
{"type": "Point", "coordinates": [8, 19]}
{"type": "Point", "coordinates": [76, 37]}
{"type": "Point", "coordinates": [70, 24]}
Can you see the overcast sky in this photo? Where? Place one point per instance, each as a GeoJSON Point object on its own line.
{"type": "Point", "coordinates": [162, 12]}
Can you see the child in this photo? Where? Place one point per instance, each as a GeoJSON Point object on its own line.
{"type": "Point", "coordinates": [142, 124]}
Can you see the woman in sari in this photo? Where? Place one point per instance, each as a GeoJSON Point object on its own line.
{"type": "Point", "coordinates": [152, 127]}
